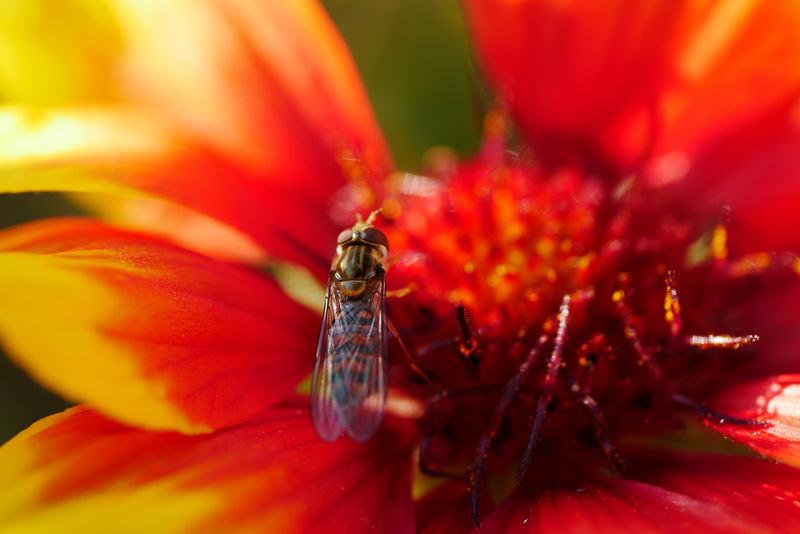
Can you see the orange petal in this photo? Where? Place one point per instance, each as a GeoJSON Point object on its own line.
{"type": "Point", "coordinates": [613, 82]}
{"type": "Point", "coordinates": [736, 61]}
{"type": "Point", "coordinates": [175, 223]}
{"type": "Point", "coordinates": [571, 70]}
{"type": "Point", "coordinates": [264, 80]}
{"type": "Point", "coordinates": [146, 332]}
{"type": "Point", "coordinates": [131, 152]}
{"type": "Point", "coordinates": [79, 472]}
{"type": "Point", "coordinates": [775, 401]}
{"type": "Point", "coordinates": [752, 169]}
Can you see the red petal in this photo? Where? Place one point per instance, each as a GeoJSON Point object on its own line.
{"type": "Point", "coordinates": [615, 80]}
{"type": "Point", "coordinates": [573, 70]}
{"type": "Point", "coordinates": [772, 314]}
{"type": "Point", "coordinates": [667, 493]}
{"type": "Point", "coordinates": [775, 401]}
{"type": "Point", "coordinates": [147, 332]}
{"type": "Point", "coordinates": [78, 472]}
{"type": "Point", "coordinates": [445, 510]}
{"type": "Point", "coordinates": [751, 167]}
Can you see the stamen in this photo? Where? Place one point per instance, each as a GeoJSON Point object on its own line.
{"type": "Point", "coordinates": [509, 393]}
{"type": "Point", "coordinates": [467, 344]}
{"type": "Point", "coordinates": [672, 307]}
{"type": "Point", "coordinates": [707, 413]}
{"type": "Point", "coordinates": [719, 243]}
{"type": "Point", "coordinates": [645, 358]}
{"type": "Point", "coordinates": [724, 342]}
{"type": "Point", "coordinates": [547, 391]}
{"type": "Point", "coordinates": [615, 463]}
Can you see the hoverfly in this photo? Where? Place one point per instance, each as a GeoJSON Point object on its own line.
{"type": "Point", "coordinates": [348, 388]}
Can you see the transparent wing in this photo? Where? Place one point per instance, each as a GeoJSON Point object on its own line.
{"type": "Point", "coordinates": [348, 389]}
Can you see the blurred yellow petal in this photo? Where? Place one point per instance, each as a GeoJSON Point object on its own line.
{"type": "Point", "coordinates": [57, 52]}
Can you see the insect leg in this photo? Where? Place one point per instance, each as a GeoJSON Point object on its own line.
{"type": "Point", "coordinates": [410, 359]}
{"type": "Point", "coordinates": [430, 419]}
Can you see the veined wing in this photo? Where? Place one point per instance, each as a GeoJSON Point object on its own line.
{"type": "Point", "coordinates": [348, 388]}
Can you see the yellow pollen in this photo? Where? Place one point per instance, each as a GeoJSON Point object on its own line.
{"type": "Point", "coordinates": [545, 247]}
{"type": "Point", "coordinates": [618, 295]}
{"type": "Point", "coordinates": [392, 208]}
{"type": "Point", "coordinates": [585, 261]}
{"type": "Point", "coordinates": [671, 306]}
{"type": "Point", "coordinates": [469, 267]}
{"type": "Point", "coordinates": [762, 260]}
{"type": "Point", "coordinates": [494, 123]}
{"type": "Point", "coordinates": [501, 270]}
{"type": "Point", "coordinates": [516, 258]}
{"type": "Point", "coordinates": [719, 243]}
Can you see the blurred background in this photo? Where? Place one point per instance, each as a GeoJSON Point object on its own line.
{"type": "Point", "coordinates": [413, 56]}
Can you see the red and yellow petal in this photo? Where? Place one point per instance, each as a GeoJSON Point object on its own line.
{"type": "Point", "coordinates": [132, 152]}
{"type": "Point", "coordinates": [659, 493]}
{"type": "Point", "coordinates": [78, 472]}
{"type": "Point", "coordinates": [176, 223]}
{"type": "Point", "coordinates": [775, 401]}
{"type": "Point", "coordinates": [262, 80]}
{"type": "Point", "coordinates": [146, 332]}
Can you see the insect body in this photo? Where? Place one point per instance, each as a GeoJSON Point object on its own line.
{"type": "Point", "coordinates": [348, 388]}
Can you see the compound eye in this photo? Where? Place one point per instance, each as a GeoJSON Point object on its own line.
{"type": "Point", "coordinates": [345, 236]}
{"type": "Point", "coordinates": [374, 236]}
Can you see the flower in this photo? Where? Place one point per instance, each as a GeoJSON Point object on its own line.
{"type": "Point", "coordinates": [607, 282]}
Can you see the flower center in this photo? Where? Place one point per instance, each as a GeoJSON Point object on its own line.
{"type": "Point", "coordinates": [540, 293]}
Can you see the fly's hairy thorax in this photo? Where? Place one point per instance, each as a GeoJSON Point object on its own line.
{"type": "Point", "coordinates": [355, 266]}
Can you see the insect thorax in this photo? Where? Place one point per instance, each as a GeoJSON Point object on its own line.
{"type": "Point", "coordinates": [356, 265]}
